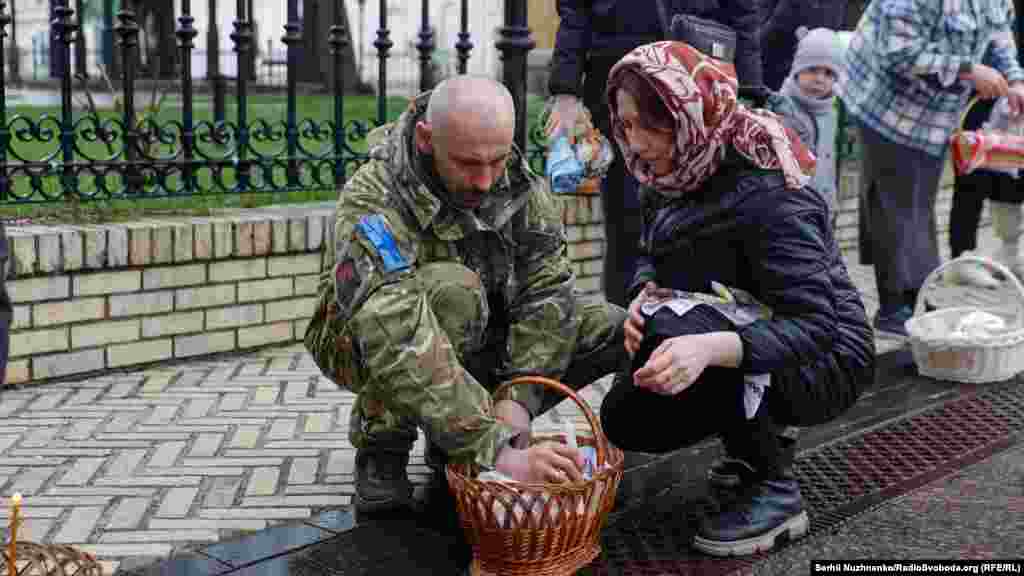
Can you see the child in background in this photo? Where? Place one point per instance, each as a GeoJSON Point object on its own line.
{"type": "Point", "coordinates": [810, 86]}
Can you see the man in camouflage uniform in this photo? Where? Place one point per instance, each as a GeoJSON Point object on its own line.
{"type": "Point", "coordinates": [449, 275]}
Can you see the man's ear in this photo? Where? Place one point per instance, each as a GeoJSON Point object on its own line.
{"type": "Point", "coordinates": [424, 137]}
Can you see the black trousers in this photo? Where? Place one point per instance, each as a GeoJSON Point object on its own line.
{"type": "Point", "coordinates": [637, 419]}
{"type": "Point", "coordinates": [900, 185]}
{"type": "Point", "coordinates": [969, 194]}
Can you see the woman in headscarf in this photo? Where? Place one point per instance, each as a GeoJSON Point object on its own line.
{"type": "Point", "coordinates": [744, 321]}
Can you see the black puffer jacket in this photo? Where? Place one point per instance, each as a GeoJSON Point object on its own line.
{"type": "Point", "coordinates": [778, 39]}
{"type": "Point", "coordinates": [746, 230]}
{"type": "Point", "coordinates": [594, 34]}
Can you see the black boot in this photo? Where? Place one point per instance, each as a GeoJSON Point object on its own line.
{"type": "Point", "coordinates": [765, 507]}
{"type": "Point", "coordinates": [727, 477]}
{"type": "Point", "coordinates": [382, 482]}
{"type": "Point", "coordinates": [768, 512]}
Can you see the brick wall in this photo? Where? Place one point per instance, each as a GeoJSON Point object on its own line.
{"type": "Point", "coordinates": [90, 298]}
{"type": "Point", "coordinates": [100, 297]}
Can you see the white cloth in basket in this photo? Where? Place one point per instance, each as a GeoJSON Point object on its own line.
{"type": "Point", "coordinates": [978, 324]}
{"type": "Point", "coordinates": [741, 308]}
{"type": "Point", "coordinates": [963, 330]}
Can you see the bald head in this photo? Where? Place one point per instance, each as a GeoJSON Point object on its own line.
{"type": "Point", "coordinates": [468, 133]}
{"type": "Point", "coordinates": [473, 102]}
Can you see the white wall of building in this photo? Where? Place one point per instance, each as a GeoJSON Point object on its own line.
{"type": "Point", "coordinates": [404, 20]}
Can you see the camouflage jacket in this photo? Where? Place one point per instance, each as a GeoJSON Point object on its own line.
{"type": "Point", "coordinates": [378, 336]}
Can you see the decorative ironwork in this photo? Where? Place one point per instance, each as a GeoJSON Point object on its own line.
{"type": "Point", "coordinates": [5, 133]}
{"type": "Point", "coordinates": [426, 49]}
{"type": "Point", "coordinates": [514, 41]}
{"type": "Point", "coordinates": [464, 46]}
{"type": "Point", "coordinates": [136, 153]}
{"type": "Point", "coordinates": [338, 39]}
{"type": "Point", "coordinates": [383, 44]}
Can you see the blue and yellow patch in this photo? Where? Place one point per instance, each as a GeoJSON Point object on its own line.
{"type": "Point", "coordinates": [375, 229]}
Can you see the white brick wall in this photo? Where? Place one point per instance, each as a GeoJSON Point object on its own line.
{"type": "Point", "coordinates": [89, 298]}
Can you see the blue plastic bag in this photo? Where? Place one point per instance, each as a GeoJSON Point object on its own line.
{"type": "Point", "coordinates": [563, 169]}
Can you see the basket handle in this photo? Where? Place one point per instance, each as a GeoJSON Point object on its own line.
{"type": "Point", "coordinates": [967, 109]}
{"type": "Point", "coordinates": [919, 305]}
{"type": "Point", "coordinates": [600, 441]}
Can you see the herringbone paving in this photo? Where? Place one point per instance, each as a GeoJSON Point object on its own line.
{"type": "Point", "coordinates": [153, 462]}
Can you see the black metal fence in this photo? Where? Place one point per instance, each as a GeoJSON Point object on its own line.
{"type": "Point", "coordinates": [133, 155]}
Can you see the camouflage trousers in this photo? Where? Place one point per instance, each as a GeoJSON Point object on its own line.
{"type": "Point", "coordinates": [475, 326]}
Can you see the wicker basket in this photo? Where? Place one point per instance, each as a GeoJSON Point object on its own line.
{"type": "Point", "coordinates": [538, 529]}
{"type": "Point", "coordinates": [51, 560]}
{"type": "Point", "coordinates": [983, 359]}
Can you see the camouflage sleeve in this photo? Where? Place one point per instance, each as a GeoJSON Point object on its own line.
{"type": "Point", "coordinates": [543, 324]}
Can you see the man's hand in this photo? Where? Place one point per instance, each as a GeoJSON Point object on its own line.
{"type": "Point", "coordinates": [674, 365]}
{"type": "Point", "coordinates": [1015, 97]}
{"type": "Point", "coordinates": [546, 462]}
{"type": "Point", "coordinates": [634, 326]}
{"type": "Point", "coordinates": [515, 415]}
{"type": "Point", "coordinates": [563, 116]}
{"type": "Point", "coordinates": [988, 82]}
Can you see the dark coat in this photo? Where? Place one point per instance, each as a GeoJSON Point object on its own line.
{"type": "Point", "coordinates": [780, 20]}
{"type": "Point", "coordinates": [746, 230]}
{"type": "Point", "coordinates": [594, 34]}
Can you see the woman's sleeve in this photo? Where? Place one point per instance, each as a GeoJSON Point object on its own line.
{"type": "Point", "coordinates": [790, 264]}
{"type": "Point", "coordinates": [572, 42]}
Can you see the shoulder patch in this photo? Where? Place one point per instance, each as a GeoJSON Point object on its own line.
{"type": "Point", "coordinates": [347, 282]}
{"type": "Point", "coordinates": [376, 231]}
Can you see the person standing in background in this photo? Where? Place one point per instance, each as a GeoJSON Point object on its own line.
{"type": "Point", "coordinates": [1005, 194]}
{"type": "Point", "coordinates": [777, 33]}
{"type": "Point", "coordinates": [592, 36]}
{"type": "Point", "coordinates": [905, 79]}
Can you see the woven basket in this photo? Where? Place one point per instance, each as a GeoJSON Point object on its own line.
{"type": "Point", "coordinates": [51, 560]}
{"type": "Point", "coordinates": [983, 359]}
{"type": "Point", "coordinates": [538, 529]}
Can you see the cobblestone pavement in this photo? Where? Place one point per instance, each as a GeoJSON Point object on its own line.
{"type": "Point", "coordinates": [149, 463]}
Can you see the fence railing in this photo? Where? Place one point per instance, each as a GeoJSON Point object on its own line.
{"type": "Point", "coordinates": [135, 153]}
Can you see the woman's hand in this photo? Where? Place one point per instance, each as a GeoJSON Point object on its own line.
{"type": "Point", "coordinates": [674, 365]}
{"type": "Point", "coordinates": [634, 326]}
{"type": "Point", "coordinates": [989, 83]}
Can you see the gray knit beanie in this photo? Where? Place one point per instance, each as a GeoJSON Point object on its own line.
{"type": "Point", "coordinates": [817, 47]}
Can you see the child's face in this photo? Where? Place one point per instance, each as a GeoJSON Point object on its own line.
{"type": "Point", "coordinates": [816, 81]}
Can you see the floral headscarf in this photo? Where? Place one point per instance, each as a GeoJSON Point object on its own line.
{"type": "Point", "coordinates": [700, 93]}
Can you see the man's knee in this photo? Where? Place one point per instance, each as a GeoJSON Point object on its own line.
{"type": "Point", "coordinates": [459, 301]}
{"type": "Point", "coordinates": [601, 325]}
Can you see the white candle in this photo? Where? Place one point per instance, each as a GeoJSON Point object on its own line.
{"type": "Point", "coordinates": [12, 556]}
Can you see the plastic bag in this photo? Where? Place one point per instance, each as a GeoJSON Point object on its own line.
{"type": "Point", "coordinates": [567, 165]}
{"type": "Point", "coordinates": [997, 147]}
